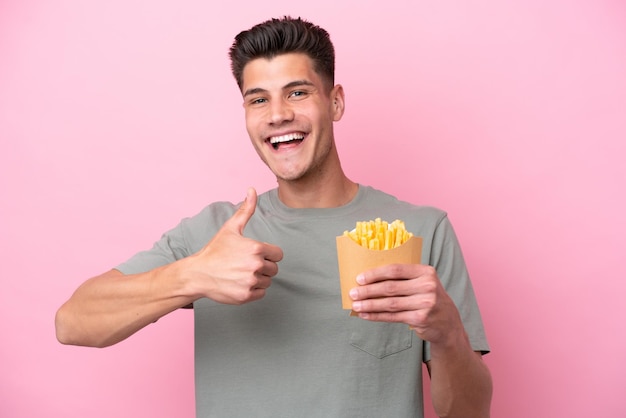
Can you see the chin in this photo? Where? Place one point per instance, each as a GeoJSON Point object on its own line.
{"type": "Point", "coordinates": [288, 178]}
{"type": "Point", "coordinates": [289, 175]}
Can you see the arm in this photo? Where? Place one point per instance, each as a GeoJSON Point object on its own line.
{"type": "Point", "coordinates": [109, 308]}
{"type": "Point", "coordinates": [462, 373]}
{"type": "Point", "coordinates": [230, 269]}
{"type": "Point", "coordinates": [413, 294]}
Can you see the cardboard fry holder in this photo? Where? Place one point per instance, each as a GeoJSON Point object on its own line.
{"type": "Point", "coordinates": [354, 259]}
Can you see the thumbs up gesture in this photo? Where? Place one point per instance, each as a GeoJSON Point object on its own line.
{"type": "Point", "coordinates": [231, 268]}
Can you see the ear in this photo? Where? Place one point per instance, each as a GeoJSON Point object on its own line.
{"type": "Point", "coordinates": [338, 100]}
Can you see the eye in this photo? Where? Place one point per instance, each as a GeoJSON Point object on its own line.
{"type": "Point", "coordinates": [298, 94]}
{"type": "Point", "coordinates": [258, 100]}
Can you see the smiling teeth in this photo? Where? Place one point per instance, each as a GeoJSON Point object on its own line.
{"type": "Point", "coordinates": [285, 138]}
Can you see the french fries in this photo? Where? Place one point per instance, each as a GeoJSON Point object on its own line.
{"type": "Point", "coordinates": [379, 234]}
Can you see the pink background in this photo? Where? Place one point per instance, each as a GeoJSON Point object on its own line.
{"type": "Point", "coordinates": [119, 118]}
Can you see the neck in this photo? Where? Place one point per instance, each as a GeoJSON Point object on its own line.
{"type": "Point", "coordinates": [320, 195]}
{"type": "Point", "coordinates": [324, 188]}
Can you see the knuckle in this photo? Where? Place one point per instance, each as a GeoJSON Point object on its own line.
{"type": "Point", "coordinates": [419, 317]}
{"type": "Point", "coordinates": [430, 271]}
{"type": "Point", "coordinates": [255, 264]}
{"type": "Point", "coordinates": [270, 268]}
{"type": "Point", "coordinates": [394, 304]}
{"type": "Point", "coordinates": [250, 283]}
{"type": "Point", "coordinates": [429, 303]}
{"type": "Point", "coordinates": [257, 247]}
{"type": "Point", "coordinates": [430, 287]}
{"type": "Point", "coordinates": [390, 287]}
{"type": "Point", "coordinates": [240, 297]}
{"type": "Point", "coordinates": [395, 270]}
{"type": "Point", "coordinates": [273, 270]}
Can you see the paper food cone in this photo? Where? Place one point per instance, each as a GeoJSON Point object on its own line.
{"type": "Point", "coordinates": [354, 259]}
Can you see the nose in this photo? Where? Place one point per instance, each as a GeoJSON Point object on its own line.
{"type": "Point", "coordinates": [280, 111]}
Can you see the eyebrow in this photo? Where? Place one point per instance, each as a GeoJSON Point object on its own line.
{"type": "Point", "coordinates": [292, 84]}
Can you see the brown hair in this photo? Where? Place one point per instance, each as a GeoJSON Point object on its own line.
{"type": "Point", "coordinates": [282, 36]}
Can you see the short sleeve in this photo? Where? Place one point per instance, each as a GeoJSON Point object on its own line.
{"type": "Point", "coordinates": [187, 238]}
{"type": "Point", "coordinates": [446, 257]}
{"type": "Point", "coordinates": [169, 248]}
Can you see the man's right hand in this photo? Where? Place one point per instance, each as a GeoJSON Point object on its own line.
{"type": "Point", "coordinates": [231, 268]}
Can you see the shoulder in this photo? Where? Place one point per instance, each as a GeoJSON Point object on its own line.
{"type": "Point", "coordinates": [215, 212]}
{"type": "Point", "coordinates": [205, 223]}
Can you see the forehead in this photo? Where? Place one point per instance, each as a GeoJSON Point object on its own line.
{"type": "Point", "coordinates": [278, 71]}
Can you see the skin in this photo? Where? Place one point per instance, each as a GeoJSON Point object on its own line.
{"type": "Point", "coordinates": [230, 269]}
{"type": "Point", "coordinates": [461, 384]}
{"type": "Point", "coordinates": [285, 96]}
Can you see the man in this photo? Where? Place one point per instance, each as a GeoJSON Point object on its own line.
{"type": "Point", "coordinates": [290, 349]}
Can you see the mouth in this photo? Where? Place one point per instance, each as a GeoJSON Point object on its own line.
{"type": "Point", "coordinates": [290, 139]}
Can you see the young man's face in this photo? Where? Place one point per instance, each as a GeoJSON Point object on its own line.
{"type": "Point", "coordinates": [289, 114]}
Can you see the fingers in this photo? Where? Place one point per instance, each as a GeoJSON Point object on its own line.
{"type": "Point", "coordinates": [394, 280]}
{"type": "Point", "coordinates": [395, 271]}
{"type": "Point", "coordinates": [235, 269]}
{"type": "Point", "coordinates": [240, 219]}
{"type": "Point", "coordinates": [395, 304]}
{"type": "Point", "coordinates": [406, 317]}
{"type": "Point", "coordinates": [396, 288]}
{"type": "Point", "coordinates": [269, 269]}
{"type": "Point", "coordinates": [419, 285]}
{"type": "Point", "coordinates": [272, 252]}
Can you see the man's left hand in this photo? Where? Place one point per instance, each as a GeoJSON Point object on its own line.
{"type": "Point", "coordinates": [409, 293]}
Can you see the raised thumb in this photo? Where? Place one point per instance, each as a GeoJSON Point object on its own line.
{"type": "Point", "coordinates": [245, 211]}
